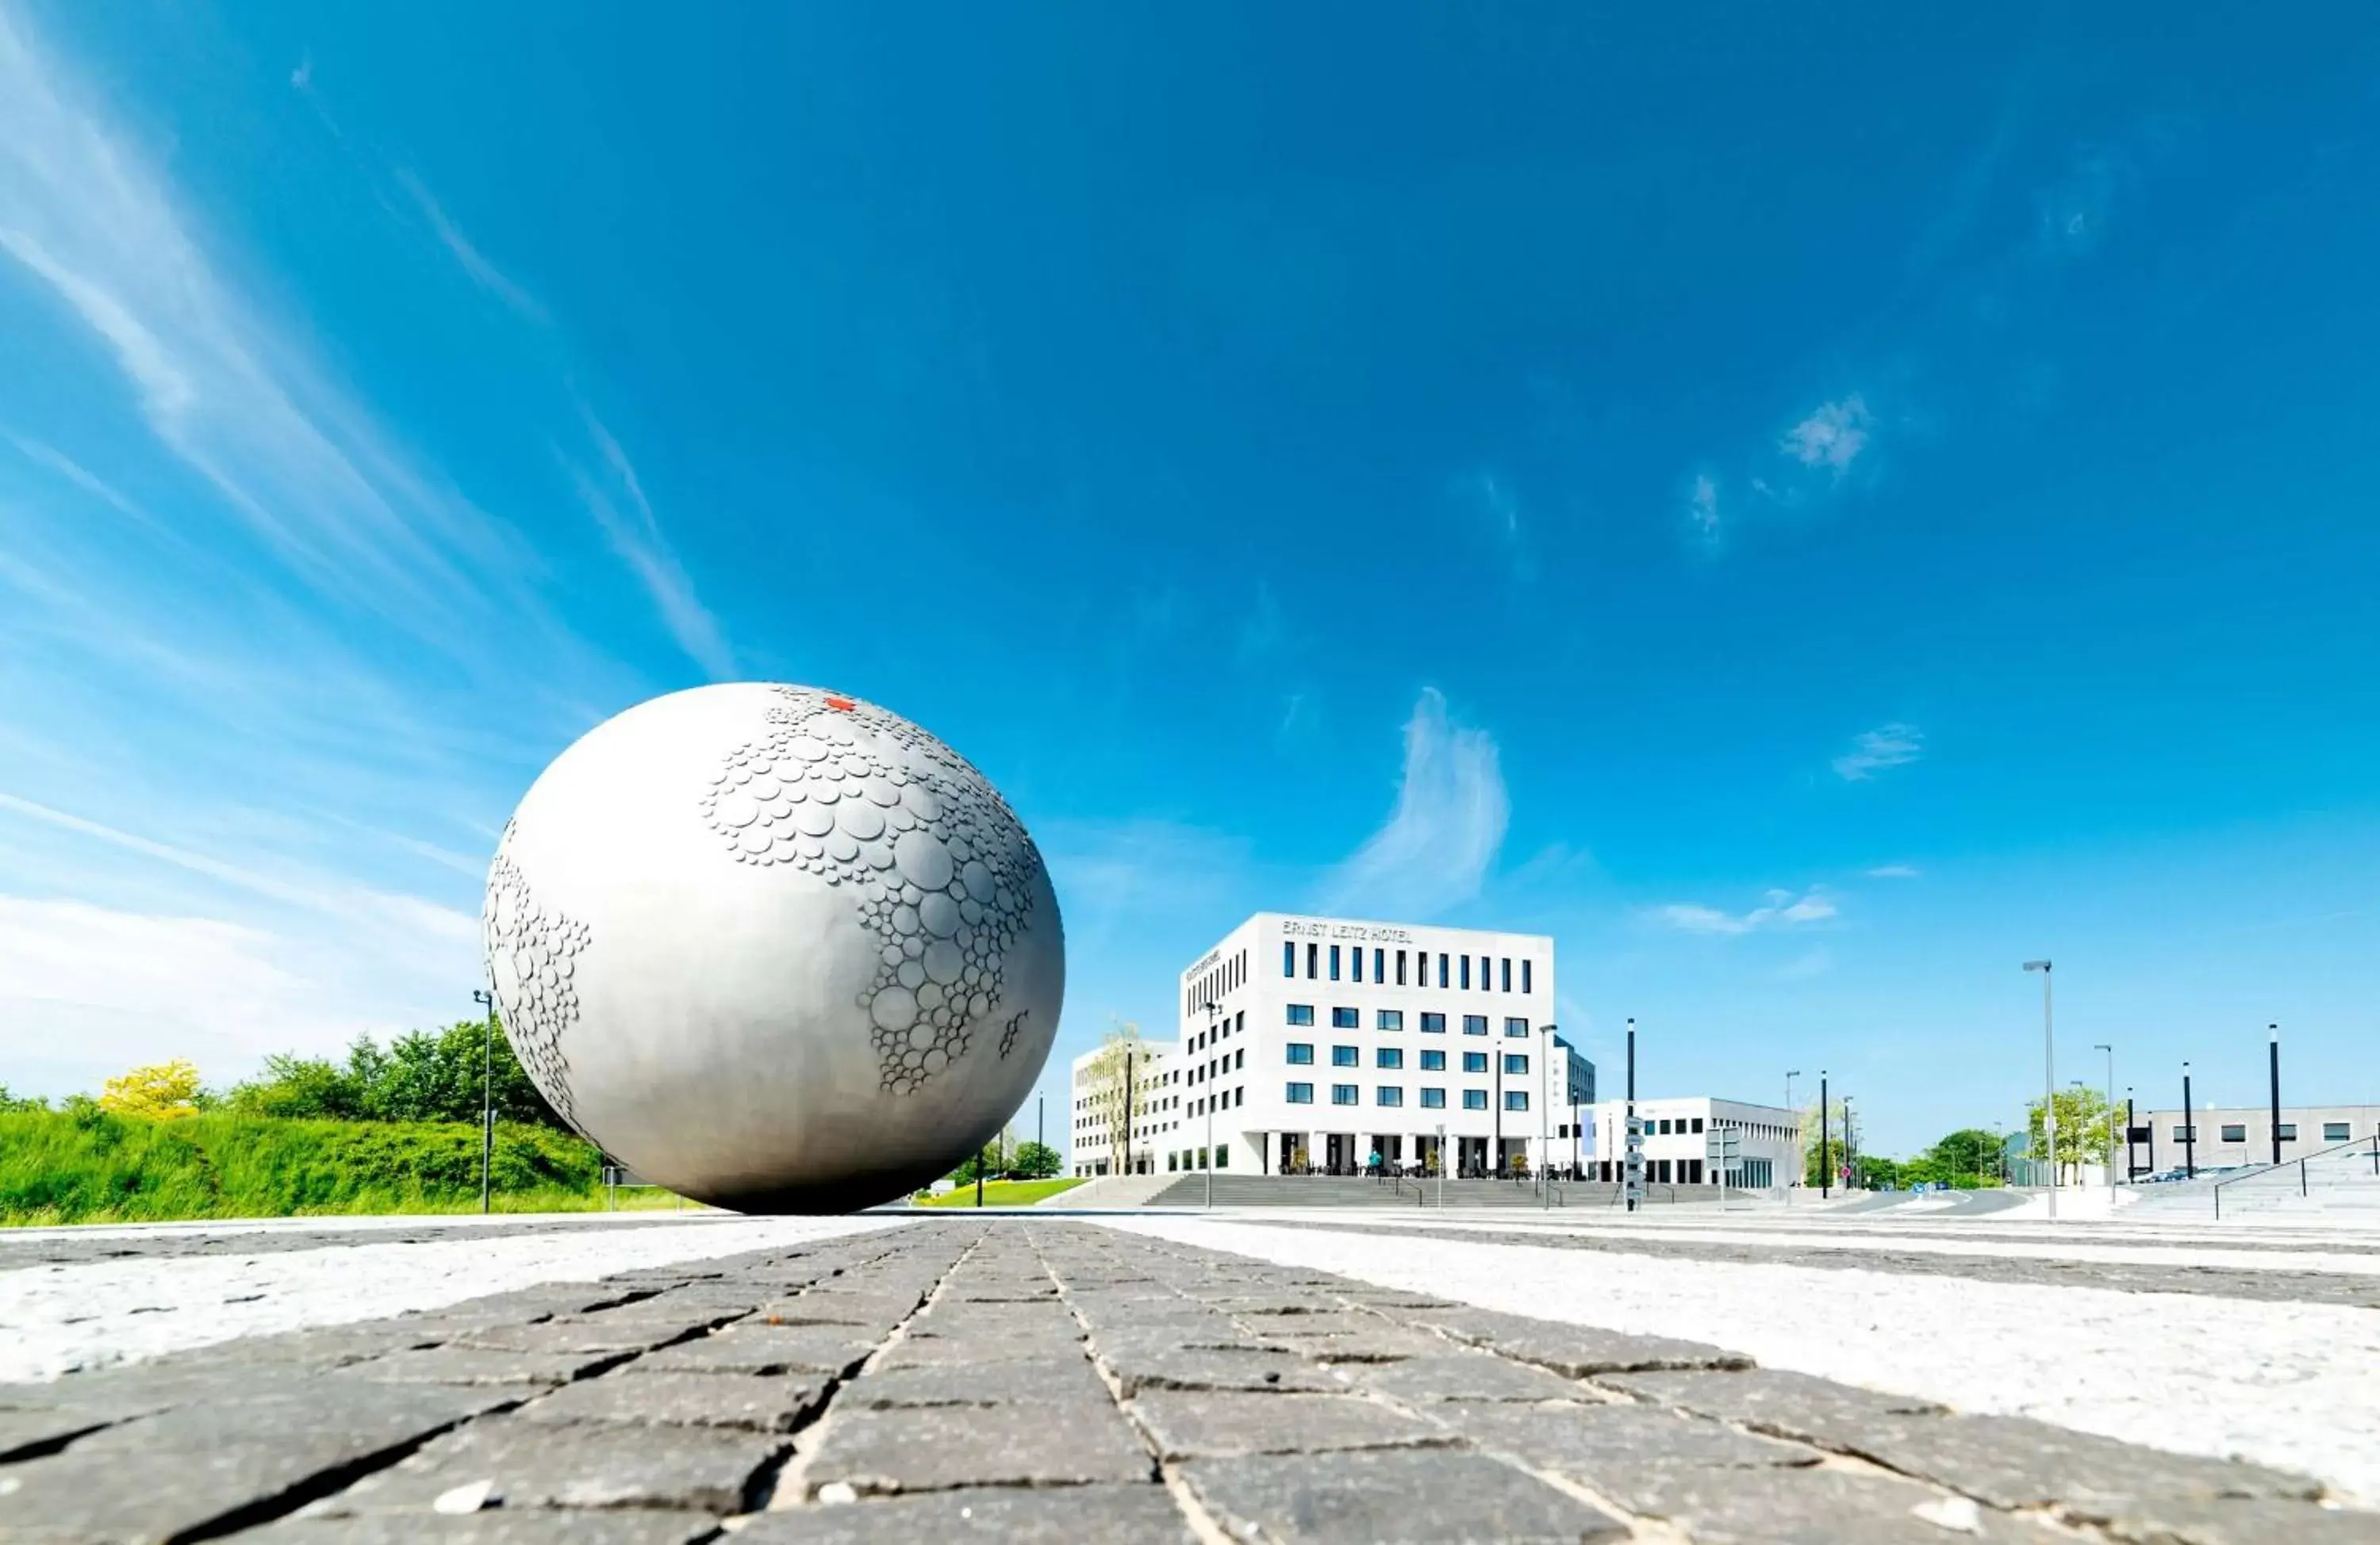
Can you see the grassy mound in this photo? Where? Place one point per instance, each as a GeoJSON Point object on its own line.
{"type": "Point", "coordinates": [1001, 1194]}
{"type": "Point", "coordinates": [89, 1166]}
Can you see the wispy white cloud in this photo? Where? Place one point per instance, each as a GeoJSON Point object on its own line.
{"type": "Point", "coordinates": [1894, 872]}
{"type": "Point", "coordinates": [1887, 745]}
{"type": "Point", "coordinates": [1832, 436]}
{"type": "Point", "coordinates": [475, 262]}
{"type": "Point", "coordinates": [1778, 909]}
{"type": "Point", "coordinates": [1702, 510]}
{"type": "Point", "coordinates": [637, 539]}
{"type": "Point", "coordinates": [1436, 849]}
{"type": "Point", "coordinates": [1806, 966]}
{"type": "Point", "coordinates": [1493, 506]}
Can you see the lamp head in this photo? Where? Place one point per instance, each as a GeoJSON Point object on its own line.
{"type": "Point", "coordinates": [2036, 965]}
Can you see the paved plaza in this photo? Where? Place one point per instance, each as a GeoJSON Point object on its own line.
{"type": "Point", "coordinates": [1154, 1376]}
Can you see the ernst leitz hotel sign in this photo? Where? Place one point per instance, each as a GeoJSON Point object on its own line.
{"type": "Point", "coordinates": [1313, 928]}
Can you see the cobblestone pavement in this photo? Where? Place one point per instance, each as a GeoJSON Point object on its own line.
{"type": "Point", "coordinates": [21, 1250]}
{"type": "Point", "coordinates": [1017, 1379]}
{"type": "Point", "coordinates": [2277, 1283]}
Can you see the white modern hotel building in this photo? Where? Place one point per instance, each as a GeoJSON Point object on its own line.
{"type": "Point", "coordinates": [1310, 1043]}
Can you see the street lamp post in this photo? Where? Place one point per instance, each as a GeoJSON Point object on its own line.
{"type": "Point", "coordinates": [2274, 1052]}
{"type": "Point", "coordinates": [1850, 1149]}
{"type": "Point", "coordinates": [1826, 1158]}
{"type": "Point", "coordinates": [487, 1000]}
{"type": "Point", "coordinates": [2189, 1130]}
{"type": "Point", "coordinates": [1544, 1133]}
{"type": "Point", "coordinates": [2103, 1046]}
{"type": "Point", "coordinates": [1631, 1143]}
{"type": "Point", "coordinates": [1441, 1167]}
{"type": "Point", "coordinates": [1793, 1182]}
{"type": "Point", "coordinates": [1207, 1100]}
{"type": "Point", "coordinates": [2048, 1086]}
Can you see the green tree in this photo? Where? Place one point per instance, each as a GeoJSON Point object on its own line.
{"type": "Point", "coordinates": [13, 1102]}
{"type": "Point", "coordinates": [1103, 1085]}
{"type": "Point", "coordinates": [1036, 1161]}
{"type": "Point", "coordinates": [423, 1076]}
{"type": "Point", "coordinates": [2085, 1127]}
{"type": "Point", "coordinates": [1877, 1172]}
{"type": "Point", "coordinates": [1840, 1130]}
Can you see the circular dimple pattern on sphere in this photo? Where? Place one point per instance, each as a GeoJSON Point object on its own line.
{"type": "Point", "coordinates": [533, 956]}
{"type": "Point", "coordinates": [933, 859]}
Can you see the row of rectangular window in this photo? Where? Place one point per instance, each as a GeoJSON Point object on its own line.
{"type": "Point", "coordinates": [1301, 1055]}
{"type": "Point", "coordinates": [1228, 977]}
{"type": "Point", "coordinates": [1390, 1094]}
{"type": "Point", "coordinates": [1301, 1016]}
{"type": "Point", "coordinates": [2332, 1131]}
{"type": "Point", "coordinates": [1453, 971]}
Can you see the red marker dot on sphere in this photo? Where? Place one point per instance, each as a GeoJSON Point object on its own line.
{"type": "Point", "coordinates": [841, 705]}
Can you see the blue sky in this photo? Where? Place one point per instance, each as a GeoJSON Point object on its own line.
{"type": "Point", "coordinates": [1811, 511]}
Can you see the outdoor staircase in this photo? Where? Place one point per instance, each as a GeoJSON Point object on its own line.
{"type": "Point", "coordinates": [2342, 1184]}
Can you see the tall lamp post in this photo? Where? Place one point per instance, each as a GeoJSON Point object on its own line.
{"type": "Point", "coordinates": [2048, 1087]}
{"type": "Point", "coordinates": [1544, 1133]}
{"type": "Point", "coordinates": [1790, 1185]}
{"type": "Point", "coordinates": [1850, 1149]}
{"type": "Point", "coordinates": [1826, 1158]}
{"type": "Point", "coordinates": [487, 1000]}
{"type": "Point", "coordinates": [1207, 1100]}
{"type": "Point", "coordinates": [2273, 1049]}
{"type": "Point", "coordinates": [2189, 1130]}
{"type": "Point", "coordinates": [2103, 1046]}
{"type": "Point", "coordinates": [1632, 1142]}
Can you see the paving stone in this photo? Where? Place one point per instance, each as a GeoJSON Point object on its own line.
{"type": "Point", "coordinates": [759, 1404]}
{"type": "Point", "coordinates": [986, 1320]}
{"type": "Point", "coordinates": [747, 1347]}
{"type": "Point", "coordinates": [595, 1465]}
{"type": "Point", "coordinates": [1064, 1515]}
{"type": "Point", "coordinates": [1576, 1351]}
{"type": "Point", "coordinates": [205, 1465]}
{"type": "Point", "coordinates": [936, 1448]}
{"type": "Point", "coordinates": [996, 1383]}
{"type": "Point", "coordinates": [29, 1432]}
{"type": "Point", "coordinates": [1387, 1343]}
{"type": "Point", "coordinates": [2008, 1462]}
{"type": "Point", "coordinates": [1810, 1507]}
{"type": "Point", "coordinates": [501, 1526]}
{"type": "Point", "coordinates": [944, 1352]}
{"type": "Point", "coordinates": [1216, 1369]}
{"type": "Point", "coordinates": [577, 1336]}
{"type": "Point", "coordinates": [1612, 1449]}
{"type": "Point", "coordinates": [2237, 1521]}
{"type": "Point", "coordinates": [1474, 1376]}
{"type": "Point", "coordinates": [334, 1346]}
{"type": "Point", "coordinates": [1209, 1333]}
{"type": "Point", "coordinates": [1386, 1497]}
{"type": "Point", "coordinates": [475, 1365]}
{"type": "Point", "coordinates": [871, 1311]}
{"type": "Point", "coordinates": [1205, 1423]}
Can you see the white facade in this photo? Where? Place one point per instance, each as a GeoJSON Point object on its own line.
{"type": "Point", "coordinates": [2227, 1137]}
{"type": "Point", "coordinates": [1319, 1042]}
{"type": "Point", "coordinates": [1769, 1143]}
{"type": "Point", "coordinates": [1097, 1140]}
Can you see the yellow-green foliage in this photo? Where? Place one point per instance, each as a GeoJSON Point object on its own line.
{"type": "Point", "coordinates": [88, 1164]}
{"type": "Point", "coordinates": [161, 1092]}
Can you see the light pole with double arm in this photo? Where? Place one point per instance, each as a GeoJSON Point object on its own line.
{"type": "Point", "coordinates": [2048, 1086]}
{"type": "Point", "coordinates": [487, 1000]}
{"type": "Point", "coordinates": [1207, 1083]}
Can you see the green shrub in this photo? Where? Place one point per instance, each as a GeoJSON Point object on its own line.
{"type": "Point", "coordinates": [85, 1165]}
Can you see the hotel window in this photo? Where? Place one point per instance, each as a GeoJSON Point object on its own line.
{"type": "Point", "coordinates": [2185, 1134]}
{"type": "Point", "coordinates": [1433, 1099]}
{"type": "Point", "coordinates": [1433, 1024]}
{"type": "Point", "coordinates": [2336, 1131]}
{"type": "Point", "coordinates": [1467, 973]}
{"type": "Point", "coordinates": [1313, 951]}
{"type": "Point", "coordinates": [1441, 969]}
{"type": "Point", "coordinates": [1342, 1093]}
{"type": "Point", "coordinates": [1515, 1063]}
{"type": "Point", "coordinates": [1400, 968]}
{"type": "Point", "coordinates": [1289, 958]}
{"type": "Point", "coordinates": [1388, 1019]}
{"type": "Point", "coordinates": [1240, 1059]}
{"type": "Point", "coordinates": [1346, 1018]}
{"type": "Point", "coordinates": [1504, 975]}
{"type": "Point", "coordinates": [1301, 1013]}
{"type": "Point", "coordinates": [1334, 962]}
{"type": "Point", "coordinates": [1345, 1057]}
{"type": "Point", "coordinates": [1524, 977]}
{"type": "Point", "coordinates": [1379, 962]}
{"type": "Point", "coordinates": [1433, 1062]}
{"type": "Point", "coordinates": [1516, 1027]}
{"type": "Point", "coordinates": [1516, 1099]}
{"type": "Point", "coordinates": [1387, 1094]}
{"type": "Point", "coordinates": [2234, 1131]}
{"type": "Point", "coordinates": [1301, 1094]}
{"type": "Point", "coordinates": [1475, 1024]}
{"type": "Point", "coordinates": [1474, 1062]}
{"type": "Point", "coordinates": [1698, 1124]}
{"type": "Point", "coordinates": [2288, 1131]}
{"type": "Point", "coordinates": [1475, 1099]}
{"type": "Point", "coordinates": [1388, 1057]}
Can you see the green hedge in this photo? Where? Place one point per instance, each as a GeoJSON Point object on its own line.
{"type": "Point", "coordinates": [89, 1166]}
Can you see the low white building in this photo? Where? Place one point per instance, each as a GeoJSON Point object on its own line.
{"type": "Point", "coordinates": [1314, 1044]}
{"type": "Point", "coordinates": [2226, 1137]}
{"type": "Point", "coordinates": [1677, 1134]}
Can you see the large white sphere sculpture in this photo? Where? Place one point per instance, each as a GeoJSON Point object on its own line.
{"type": "Point", "coordinates": [774, 948]}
